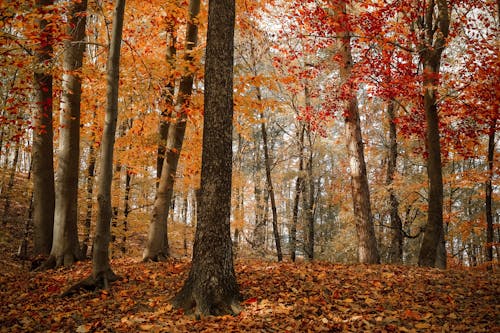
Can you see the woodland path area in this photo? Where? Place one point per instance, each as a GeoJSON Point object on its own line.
{"type": "Point", "coordinates": [277, 297]}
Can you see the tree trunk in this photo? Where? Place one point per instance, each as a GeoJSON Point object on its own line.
{"type": "Point", "coordinates": [169, 98]}
{"type": "Point", "coordinates": [157, 247]}
{"type": "Point", "coordinates": [489, 194]}
{"type": "Point", "coordinates": [270, 188]}
{"type": "Point", "coordinates": [432, 251]}
{"type": "Point", "coordinates": [309, 200]}
{"type": "Point", "coordinates": [211, 287]}
{"type": "Point", "coordinates": [65, 248]}
{"type": "Point", "coordinates": [42, 150]}
{"type": "Point", "coordinates": [299, 188]}
{"type": "Point", "coordinates": [367, 243]}
{"type": "Point", "coordinates": [396, 245]}
{"type": "Point", "coordinates": [10, 184]}
{"type": "Point", "coordinates": [101, 269]}
{"type": "Point", "coordinates": [89, 197]}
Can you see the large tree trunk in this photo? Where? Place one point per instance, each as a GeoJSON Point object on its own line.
{"type": "Point", "coordinates": [211, 287]}
{"type": "Point", "coordinates": [433, 252]}
{"type": "Point", "coordinates": [169, 98]}
{"type": "Point", "coordinates": [42, 151]}
{"type": "Point", "coordinates": [157, 247]}
{"type": "Point", "coordinates": [396, 245]}
{"type": "Point", "coordinates": [65, 248]}
{"type": "Point", "coordinates": [367, 243]}
{"type": "Point", "coordinates": [101, 269]}
{"type": "Point", "coordinates": [489, 194]}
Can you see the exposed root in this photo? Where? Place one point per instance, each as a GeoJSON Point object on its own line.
{"type": "Point", "coordinates": [101, 281]}
{"type": "Point", "coordinates": [160, 257]}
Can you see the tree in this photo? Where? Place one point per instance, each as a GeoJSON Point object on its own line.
{"type": "Point", "coordinates": [42, 151]}
{"type": "Point", "coordinates": [157, 247]}
{"type": "Point", "coordinates": [432, 41]}
{"type": "Point", "coordinates": [211, 287]}
{"type": "Point", "coordinates": [397, 237]}
{"type": "Point", "coordinates": [65, 248]}
{"type": "Point", "coordinates": [367, 244]}
{"type": "Point", "coordinates": [102, 274]}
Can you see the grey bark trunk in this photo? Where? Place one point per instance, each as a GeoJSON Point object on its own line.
{"type": "Point", "coordinates": [270, 188]}
{"type": "Point", "coordinates": [157, 247]}
{"type": "Point", "coordinates": [367, 243]}
{"type": "Point", "coordinates": [89, 198]}
{"type": "Point", "coordinates": [169, 98]}
{"type": "Point", "coordinates": [433, 250]}
{"type": "Point", "coordinates": [489, 194]}
{"type": "Point", "coordinates": [42, 151]}
{"type": "Point", "coordinates": [211, 287]}
{"type": "Point", "coordinates": [299, 188]}
{"type": "Point", "coordinates": [396, 245]}
{"type": "Point", "coordinates": [65, 248]}
{"type": "Point", "coordinates": [101, 269]}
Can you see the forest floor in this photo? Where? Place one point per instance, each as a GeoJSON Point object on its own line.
{"type": "Point", "coordinates": [276, 297]}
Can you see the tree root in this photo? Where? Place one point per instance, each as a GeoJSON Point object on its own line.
{"type": "Point", "coordinates": [93, 283]}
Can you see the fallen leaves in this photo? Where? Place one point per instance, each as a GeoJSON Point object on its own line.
{"type": "Point", "coordinates": [277, 297]}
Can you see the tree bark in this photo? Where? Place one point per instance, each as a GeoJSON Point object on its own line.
{"type": "Point", "coordinates": [157, 247]}
{"type": "Point", "coordinates": [211, 287]}
{"type": "Point", "coordinates": [396, 245]}
{"type": "Point", "coordinates": [169, 98]}
{"type": "Point", "coordinates": [489, 194]}
{"type": "Point", "coordinates": [432, 45]}
{"type": "Point", "coordinates": [101, 269]}
{"type": "Point", "coordinates": [270, 188]}
{"type": "Point", "coordinates": [65, 248]}
{"type": "Point", "coordinates": [89, 197]}
{"type": "Point", "coordinates": [367, 243]}
{"type": "Point", "coordinates": [43, 148]}
{"type": "Point", "coordinates": [299, 189]}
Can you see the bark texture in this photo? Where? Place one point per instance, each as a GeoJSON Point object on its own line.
{"type": "Point", "coordinates": [397, 236]}
{"type": "Point", "coordinates": [211, 287]}
{"type": "Point", "coordinates": [270, 187]}
{"type": "Point", "coordinates": [157, 247]}
{"type": "Point", "coordinates": [432, 43]}
{"type": "Point", "coordinates": [43, 135]}
{"type": "Point", "coordinates": [101, 269]}
{"type": "Point", "coordinates": [489, 194]}
{"type": "Point", "coordinates": [65, 248]}
{"type": "Point", "coordinates": [299, 189]}
{"type": "Point", "coordinates": [367, 243]}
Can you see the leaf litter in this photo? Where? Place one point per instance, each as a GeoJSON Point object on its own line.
{"type": "Point", "coordinates": [276, 297]}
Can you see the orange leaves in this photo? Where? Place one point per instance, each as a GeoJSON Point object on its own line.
{"type": "Point", "coordinates": [282, 297]}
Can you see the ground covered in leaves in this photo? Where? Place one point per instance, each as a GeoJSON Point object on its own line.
{"type": "Point", "coordinates": [277, 297]}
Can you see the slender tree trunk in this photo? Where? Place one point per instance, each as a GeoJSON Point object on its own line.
{"type": "Point", "coordinates": [309, 200]}
{"type": "Point", "coordinates": [260, 216]}
{"type": "Point", "coordinates": [270, 188]}
{"type": "Point", "coordinates": [10, 184]}
{"type": "Point", "coordinates": [65, 248]}
{"type": "Point", "coordinates": [126, 209]}
{"type": "Point", "coordinates": [432, 251]}
{"type": "Point", "coordinates": [396, 245]}
{"type": "Point", "coordinates": [42, 150]}
{"type": "Point", "coordinates": [299, 188]}
{"type": "Point", "coordinates": [211, 287]}
{"type": "Point", "coordinates": [367, 243]}
{"type": "Point", "coordinates": [89, 197]}
{"type": "Point", "coordinates": [489, 194]}
{"type": "Point", "coordinates": [101, 269]}
{"type": "Point", "coordinates": [157, 247]}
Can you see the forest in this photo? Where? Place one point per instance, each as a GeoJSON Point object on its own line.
{"type": "Point", "coordinates": [249, 165]}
